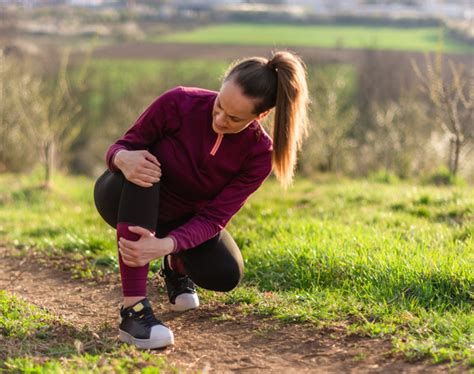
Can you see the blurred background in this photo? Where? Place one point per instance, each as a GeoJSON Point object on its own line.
{"type": "Point", "coordinates": [391, 82]}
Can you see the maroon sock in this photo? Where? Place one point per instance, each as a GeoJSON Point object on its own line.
{"type": "Point", "coordinates": [177, 265]}
{"type": "Point", "coordinates": [133, 278]}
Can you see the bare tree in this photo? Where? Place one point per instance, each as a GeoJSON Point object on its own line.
{"type": "Point", "coordinates": [452, 95]}
{"type": "Point", "coordinates": [48, 112]}
{"type": "Point", "coordinates": [12, 142]}
{"type": "Point", "coordinates": [381, 78]}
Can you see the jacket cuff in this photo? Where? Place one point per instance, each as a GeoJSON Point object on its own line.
{"type": "Point", "coordinates": [110, 161]}
{"type": "Point", "coordinates": [175, 243]}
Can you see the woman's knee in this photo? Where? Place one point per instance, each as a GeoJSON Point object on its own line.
{"type": "Point", "coordinates": [228, 279]}
{"type": "Point", "coordinates": [215, 265]}
{"type": "Point", "coordinates": [216, 276]}
{"type": "Point", "coordinates": [107, 191]}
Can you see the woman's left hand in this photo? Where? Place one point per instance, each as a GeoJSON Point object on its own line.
{"type": "Point", "coordinates": [141, 252]}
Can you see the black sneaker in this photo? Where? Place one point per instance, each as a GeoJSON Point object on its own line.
{"type": "Point", "coordinates": [181, 290]}
{"type": "Point", "coordinates": [140, 327]}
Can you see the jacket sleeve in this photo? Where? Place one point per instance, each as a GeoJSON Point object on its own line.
{"type": "Point", "coordinates": [148, 128]}
{"type": "Point", "coordinates": [215, 215]}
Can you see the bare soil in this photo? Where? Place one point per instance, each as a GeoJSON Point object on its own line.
{"type": "Point", "coordinates": [214, 338]}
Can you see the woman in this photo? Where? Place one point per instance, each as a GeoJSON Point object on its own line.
{"type": "Point", "coordinates": [180, 173]}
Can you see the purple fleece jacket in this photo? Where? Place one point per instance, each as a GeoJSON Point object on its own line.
{"type": "Point", "coordinates": [204, 174]}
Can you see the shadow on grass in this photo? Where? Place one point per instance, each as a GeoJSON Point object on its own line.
{"type": "Point", "coordinates": [431, 289]}
{"type": "Point", "coordinates": [33, 194]}
{"type": "Point", "coordinates": [437, 210]}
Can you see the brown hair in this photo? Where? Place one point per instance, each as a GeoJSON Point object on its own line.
{"type": "Point", "coordinates": [278, 82]}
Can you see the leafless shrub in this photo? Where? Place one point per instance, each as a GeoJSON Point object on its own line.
{"type": "Point", "coordinates": [45, 111]}
{"type": "Point", "coordinates": [15, 147]}
{"type": "Point", "coordinates": [399, 141]}
{"type": "Point", "coordinates": [452, 97]}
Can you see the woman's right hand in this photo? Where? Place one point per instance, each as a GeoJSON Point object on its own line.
{"type": "Point", "coordinates": [139, 167]}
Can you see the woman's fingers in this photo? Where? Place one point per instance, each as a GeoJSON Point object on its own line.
{"type": "Point", "coordinates": [145, 180]}
{"type": "Point", "coordinates": [130, 263]}
{"type": "Point", "coordinates": [150, 161]}
{"type": "Point", "coordinates": [145, 177]}
{"type": "Point", "coordinates": [150, 177]}
{"type": "Point", "coordinates": [128, 256]}
{"type": "Point", "coordinates": [140, 183]}
{"type": "Point", "coordinates": [152, 158]}
{"type": "Point", "coordinates": [140, 231]}
{"type": "Point", "coordinates": [126, 252]}
{"type": "Point", "coordinates": [128, 244]}
{"type": "Point", "coordinates": [143, 169]}
{"type": "Point", "coordinates": [129, 259]}
{"type": "Point", "coordinates": [151, 171]}
{"type": "Point", "coordinates": [149, 165]}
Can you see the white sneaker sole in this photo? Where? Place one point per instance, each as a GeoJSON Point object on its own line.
{"type": "Point", "coordinates": [146, 343]}
{"type": "Point", "coordinates": [184, 302]}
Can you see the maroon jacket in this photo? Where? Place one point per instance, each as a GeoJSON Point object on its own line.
{"type": "Point", "coordinates": [205, 174]}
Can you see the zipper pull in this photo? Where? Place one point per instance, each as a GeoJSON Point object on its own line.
{"type": "Point", "coordinates": [217, 144]}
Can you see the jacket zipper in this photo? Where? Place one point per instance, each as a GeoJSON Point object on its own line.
{"type": "Point", "coordinates": [213, 151]}
{"type": "Point", "coordinates": [217, 144]}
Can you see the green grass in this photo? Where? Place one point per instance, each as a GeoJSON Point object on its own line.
{"type": "Point", "coordinates": [20, 320]}
{"type": "Point", "coordinates": [329, 36]}
{"type": "Point", "coordinates": [391, 260]}
{"type": "Point", "coordinates": [35, 341]}
{"type": "Point", "coordinates": [126, 74]}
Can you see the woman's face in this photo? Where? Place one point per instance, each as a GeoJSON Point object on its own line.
{"type": "Point", "coordinates": [233, 111]}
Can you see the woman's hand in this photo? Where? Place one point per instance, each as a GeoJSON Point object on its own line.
{"type": "Point", "coordinates": [147, 248]}
{"type": "Point", "coordinates": [139, 167]}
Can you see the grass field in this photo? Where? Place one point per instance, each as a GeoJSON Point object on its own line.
{"type": "Point", "coordinates": [128, 73]}
{"type": "Point", "coordinates": [409, 39]}
{"type": "Point", "coordinates": [120, 76]}
{"type": "Point", "coordinates": [384, 260]}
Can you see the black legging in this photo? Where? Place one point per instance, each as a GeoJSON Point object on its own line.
{"type": "Point", "coordinates": [216, 264]}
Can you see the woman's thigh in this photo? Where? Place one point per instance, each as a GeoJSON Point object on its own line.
{"type": "Point", "coordinates": [119, 200]}
{"type": "Point", "coordinates": [216, 264]}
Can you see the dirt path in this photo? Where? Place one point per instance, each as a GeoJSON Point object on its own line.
{"type": "Point", "coordinates": [204, 340]}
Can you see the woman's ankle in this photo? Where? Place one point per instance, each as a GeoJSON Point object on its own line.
{"type": "Point", "coordinates": [130, 300]}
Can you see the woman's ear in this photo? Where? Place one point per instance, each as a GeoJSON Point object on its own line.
{"type": "Point", "coordinates": [263, 114]}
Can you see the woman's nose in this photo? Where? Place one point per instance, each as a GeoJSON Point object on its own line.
{"type": "Point", "coordinates": [221, 119]}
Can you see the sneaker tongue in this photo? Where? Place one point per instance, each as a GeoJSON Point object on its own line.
{"type": "Point", "coordinates": [139, 306]}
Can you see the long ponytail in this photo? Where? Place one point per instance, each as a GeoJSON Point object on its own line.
{"type": "Point", "coordinates": [279, 83]}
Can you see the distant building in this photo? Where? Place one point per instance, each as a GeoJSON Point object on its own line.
{"type": "Point", "coordinates": [460, 9]}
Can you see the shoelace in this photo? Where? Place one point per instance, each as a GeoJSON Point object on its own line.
{"type": "Point", "coordinates": [149, 318]}
{"type": "Point", "coordinates": [182, 284]}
